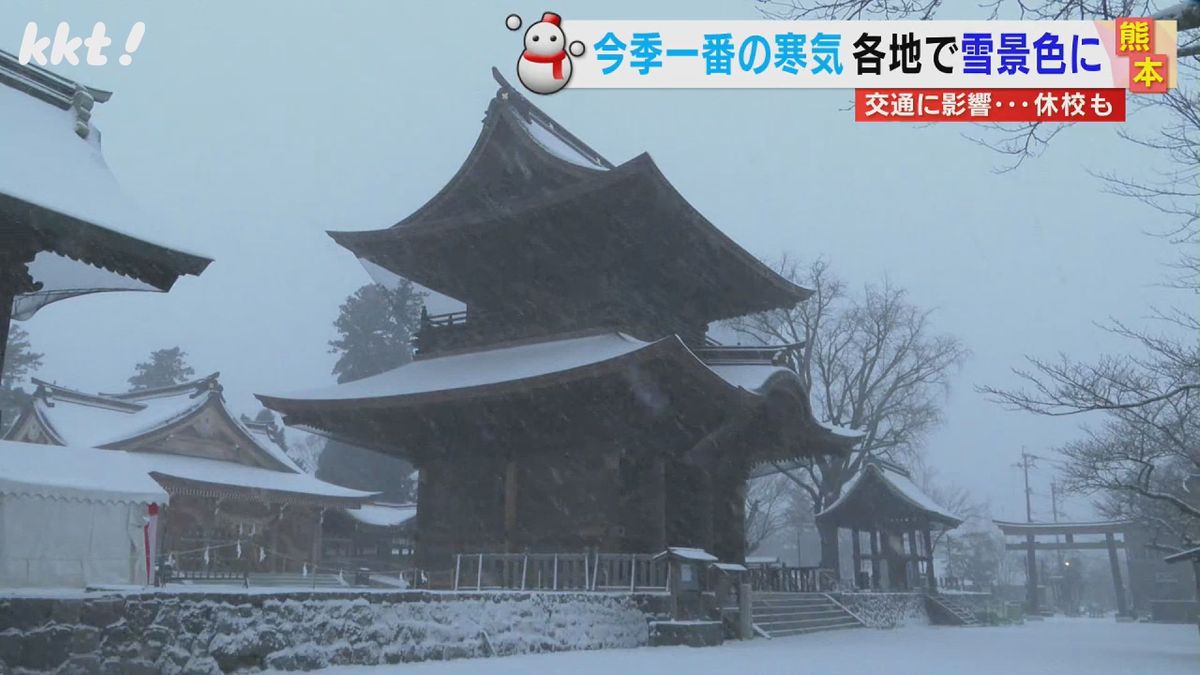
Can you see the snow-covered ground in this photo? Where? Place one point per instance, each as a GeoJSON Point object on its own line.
{"type": "Point", "coordinates": [1051, 647]}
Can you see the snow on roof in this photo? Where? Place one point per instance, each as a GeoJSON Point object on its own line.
{"type": "Point", "coordinates": [751, 377]}
{"type": "Point", "coordinates": [481, 368]}
{"type": "Point", "coordinates": [88, 474]}
{"type": "Point", "coordinates": [696, 554]}
{"type": "Point", "coordinates": [435, 303]}
{"type": "Point", "coordinates": [380, 514]}
{"type": "Point", "coordinates": [100, 420]}
{"type": "Point", "coordinates": [240, 475]}
{"type": "Point", "coordinates": [559, 146]}
{"type": "Point", "coordinates": [915, 494]}
{"type": "Point", "coordinates": [261, 435]}
{"type": "Point", "coordinates": [61, 278]}
{"type": "Point", "coordinates": [47, 164]}
{"type": "Point", "coordinates": [730, 567]}
{"type": "Point", "coordinates": [1189, 554]}
{"type": "Point", "coordinates": [763, 560]}
{"type": "Point", "coordinates": [1063, 527]}
{"type": "Point", "coordinates": [899, 483]}
{"type": "Point", "coordinates": [88, 420]}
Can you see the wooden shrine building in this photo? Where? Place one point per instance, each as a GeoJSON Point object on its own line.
{"type": "Point", "coordinates": [237, 500]}
{"type": "Point", "coordinates": [63, 216]}
{"type": "Point", "coordinates": [898, 519]}
{"type": "Point", "coordinates": [577, 401]}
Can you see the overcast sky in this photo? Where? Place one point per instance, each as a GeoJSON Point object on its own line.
{"type": "Point", "coordinates": [248, 129]}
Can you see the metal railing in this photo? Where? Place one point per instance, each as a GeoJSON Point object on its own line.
{"type": "Point", "coordinates": [784, 579]}
{"type": "Point", "coordinates": [559, 572]}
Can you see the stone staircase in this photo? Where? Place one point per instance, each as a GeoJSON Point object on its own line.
{"type": "Point", "coordinates": [945, 610]}
{"type": "Point", "coordinates": [780, 614]}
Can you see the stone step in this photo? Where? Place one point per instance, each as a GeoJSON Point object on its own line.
{"type": "Point", "coordinates": [822, 622]}
{"type": "Point", "coordinates": [790, 601]}
{"type": "Point", "coordinates": [774, 614]}
{"type": "Point", "coordinates": [813, 602]}
{"type": "Point", "coordinates": [803, 631]}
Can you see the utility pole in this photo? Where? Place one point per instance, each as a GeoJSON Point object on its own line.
{"type": "Point", "coordinates": [1031, 566]}
{"type": "Point", "coordinates": [1054, 510]}
{"type": "Point", "coordinates": [1054, 499]}
{"type": "Point", "coordinates": [1025, 464]}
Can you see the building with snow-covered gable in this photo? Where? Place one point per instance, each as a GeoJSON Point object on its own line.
{"type": "Point", "coordinates": [237, 500]}
{"type": "Point", "coordinates": [64, 219]}
{"type": "Point", "coordinates": [577, 402]}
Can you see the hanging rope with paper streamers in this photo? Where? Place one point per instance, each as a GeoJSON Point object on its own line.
{"type": "Point", "coordinates": [239, 549]}
{"type": "Point", "coordinates": [304, 570]}
{"type": "Point", "coordinates": [262, 554]}
{"type": "Point", "coordinates": [205, 555]}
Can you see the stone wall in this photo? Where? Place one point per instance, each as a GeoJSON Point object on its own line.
{"type": "Point", "coordinates": [207, 633]}
{"type": "Point", "coordinates": [885, 610]}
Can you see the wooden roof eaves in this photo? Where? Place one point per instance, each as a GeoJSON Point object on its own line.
{"type": "Point", "coordinates": [641, 167]}
{"type": "Point", "coordinates": [254, 493]}
{"type": "Point", "coordinates": [668, 347]}
{"type": "Point", "coordinates": [876, 474]}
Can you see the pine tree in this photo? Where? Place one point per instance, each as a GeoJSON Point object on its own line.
{"type": "Point", "coordinates": [375, 329]}
{"type": "Point", "coordinates": [165, 368]}
{"type": "Point", "coordinates": [20, 362]}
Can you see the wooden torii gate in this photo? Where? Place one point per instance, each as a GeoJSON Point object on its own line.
{"type": "Point", "coordinates": [1031, 531]}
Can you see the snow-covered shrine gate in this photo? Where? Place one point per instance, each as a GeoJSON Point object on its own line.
{"type": "Point", "coordinates": [1031, 531]}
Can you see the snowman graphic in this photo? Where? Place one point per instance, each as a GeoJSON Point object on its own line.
{"type": "Point", "coordinates": [545, 65]}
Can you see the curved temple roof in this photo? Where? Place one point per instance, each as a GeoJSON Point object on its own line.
{"type": "Point", "coordinates": [880, 493]}
{"type": "Point", "coordinates": [60, 196]}
{"type": "Point", "coordinates": [528, 367]}
{"type": "Point", "coordinates": [529, 189]}
{"type": "Point", "coordinates": [113, 426]}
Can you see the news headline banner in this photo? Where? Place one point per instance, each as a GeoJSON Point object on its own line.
{"type": "Point", "coordinates": [910, 55]}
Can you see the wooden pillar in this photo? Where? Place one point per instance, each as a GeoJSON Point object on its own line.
{"type": "Point", "coordinates": [856, 549]}
{"type": "Point", "coordinates": [276, 561]}
{"type": "Point", "coordinates": [914, 555]}
{"type": "Point", "coordinates": [315, 554]}
{"type": "Point", "coordinates": [1031, 576]}
{"type": "Point", "coordinates": [875, 583]}
{"type": "Point", "coordinates": [745, 611]}
{"type": "Point", "coordinates": [658, 505]}
{"type": "Point", "coordinates": [510, 504]}
{"type": "Point", "coordinates": [6, 303]}
{"type": "Point", "coordinates": [930, 577]}
{"type": "Point", "coordinates": [1122, 606]}
{"type": "Point", "coordinates": [17, 250]}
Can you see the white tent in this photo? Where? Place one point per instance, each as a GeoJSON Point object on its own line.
{"type": "Point", "coordinates": [72, 517]}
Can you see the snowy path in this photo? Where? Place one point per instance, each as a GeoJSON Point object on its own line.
{"type": "Point", "coordinates": [1052, 647]}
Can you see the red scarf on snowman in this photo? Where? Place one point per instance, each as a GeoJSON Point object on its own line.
{"type": "Point", "coordinates": [557, 59]}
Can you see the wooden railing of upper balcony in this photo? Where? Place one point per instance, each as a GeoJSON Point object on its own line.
{"type": "Point", "coordinates": [715, 354]}
{"type": "Point", "coordinates": [439, 332]}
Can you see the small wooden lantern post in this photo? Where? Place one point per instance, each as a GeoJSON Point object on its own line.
{"type": "Point", "coordinates": [686, 576]}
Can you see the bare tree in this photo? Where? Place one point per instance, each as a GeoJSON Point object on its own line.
{"type": "Point", "coordinates": [768, 507]}
{"type": "Point", "coordinates": [1139, 466]}
{"type": "Point", "coordinates": [871, 363]}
